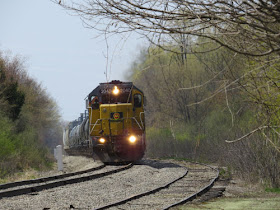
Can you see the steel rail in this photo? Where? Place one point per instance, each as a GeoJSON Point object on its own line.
{"type": "Point", "coordinates": [15, 192]}
{"type": "Point", "coordinates": [189, 198]}
{"type": "Point", "coordinates": [142, 194]}
{"type": "Point", "coordinates": [200, 192]}
{"type": "Point", "coordinates": [45, 179]}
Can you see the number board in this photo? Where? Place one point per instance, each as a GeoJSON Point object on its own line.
{"type": "Point", "coordinates": [109, 90]}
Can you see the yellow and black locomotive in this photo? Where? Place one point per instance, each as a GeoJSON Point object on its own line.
{"type": "Point", "coordinates": [114, 128]}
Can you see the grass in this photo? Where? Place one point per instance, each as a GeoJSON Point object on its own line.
{"type": "Point", "coordinates": [238, 203]}
{"type": "Point", "coordinates": [274, 190]}
{"type": "Point", "coordinates": [225, 173]}
{"type": "Point", "coordinates": [30, 173]}
{"type": "Point", "coordinates": [19, 176]}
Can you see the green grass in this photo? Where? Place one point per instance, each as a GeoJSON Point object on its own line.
{"type": "Point", "coordinates": [238, 203]}
{"type": "Point", "coordinates": [274, 190]}
{"type": "Point", "coordinates": [225, 173]}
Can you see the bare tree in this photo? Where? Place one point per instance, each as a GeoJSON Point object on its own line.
{"type": "Point", "coordinates": [248, 27]}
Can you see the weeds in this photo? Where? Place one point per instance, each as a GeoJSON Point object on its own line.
{"type": "Point", "coordinates": [274, 190]}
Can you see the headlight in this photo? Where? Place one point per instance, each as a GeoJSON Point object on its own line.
{"type": "Point", "coordinates": [102, 140]}
{"type": "Point", "coordinates": [132, 139]}
{"type": "Point", "coordinates": [116, 90]}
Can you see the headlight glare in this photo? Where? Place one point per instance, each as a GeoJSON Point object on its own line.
{"type": "Point", "coordinates": [132, 139]}
{"type": "Point", "coordinates": [116, 90]}
{"type": "Point", "coordinates": [102, 140]}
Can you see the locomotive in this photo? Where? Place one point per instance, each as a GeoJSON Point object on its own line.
{"type": "Point", "coordinates": [113, 126]}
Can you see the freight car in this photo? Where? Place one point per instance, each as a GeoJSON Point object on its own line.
{"type": "Point", "coordinates": [113, 127]}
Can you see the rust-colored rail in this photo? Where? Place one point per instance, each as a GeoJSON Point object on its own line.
{"type": "Point", "coordinates": [198, 193]}
{"type": "Point", "coordinates": [195, 194]}
{"type": "Point", "coordinates": [42, 185]}
{"type": "Point", "coordinates": [142, 194]}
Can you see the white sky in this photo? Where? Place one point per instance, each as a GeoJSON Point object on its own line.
{"type": "Point", "coordinates": [61, 54]}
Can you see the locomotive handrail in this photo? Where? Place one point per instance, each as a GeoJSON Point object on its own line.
{"type": "Point", "coordinates": [94, 125]}
{"type": "Point", "coordinates": [137, 123]}
{"type": "Point", "coordinates": [141, 119]}
{"type": "Point", "coordinates": [90, 120]}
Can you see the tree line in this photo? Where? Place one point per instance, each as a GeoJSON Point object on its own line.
{"type": "Point", "coordinates": [29, 119]}
{"type": "Point", "coordinates": [192, 110]}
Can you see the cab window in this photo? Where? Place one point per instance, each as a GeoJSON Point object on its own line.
{"type": "Point", "coordinates": [94, 102]}
{"type": "Point", "coordinates": [137, 100]}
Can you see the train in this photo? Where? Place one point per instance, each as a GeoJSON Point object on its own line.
{"type": "Point", "coordinates": [112, 128]}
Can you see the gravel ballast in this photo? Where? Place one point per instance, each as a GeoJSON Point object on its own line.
{"type": "Point", "coordinates": [86, 195]}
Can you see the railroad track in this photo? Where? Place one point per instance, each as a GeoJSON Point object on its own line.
{"type": "Point", "coordinates": [36, 185]}
{"type": "Point", "coordinates": [148, 185]}
{"type": "Point", "coordinates": [197, 179]}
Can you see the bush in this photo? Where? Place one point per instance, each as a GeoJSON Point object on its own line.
{"type": "Point", "coordinates": [7, 146]}
{"type": "Point", "coordinates": [29, 120]}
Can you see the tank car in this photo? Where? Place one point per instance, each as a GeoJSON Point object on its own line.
{"type": "Point", "coordinates": [113, 128]}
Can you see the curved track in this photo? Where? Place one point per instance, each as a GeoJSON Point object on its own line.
{"type": "Point", "coordinates": [202, 188]}
{"type": "Point", "coordinates": [197, 179]}
{"type": "Point", "coordinates": [35, 185]}
{"type": "Point", "coordinates": [150, 184]}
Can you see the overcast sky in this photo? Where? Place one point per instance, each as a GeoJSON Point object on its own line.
{"type": "Point", "coordinates": [61, 54]}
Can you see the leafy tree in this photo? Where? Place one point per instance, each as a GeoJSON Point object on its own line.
{"type": "Point", "coordinates": [29, 120]}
